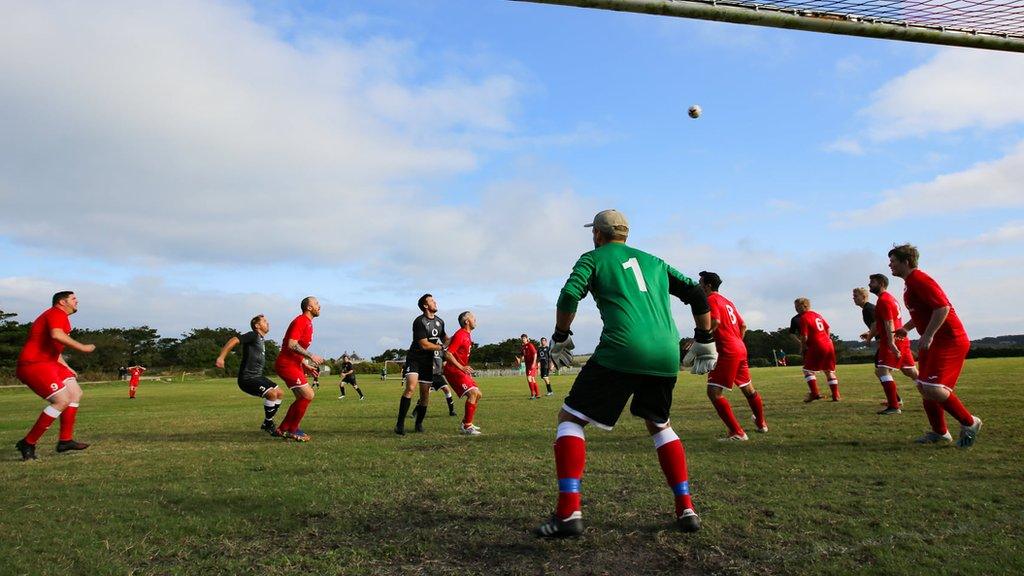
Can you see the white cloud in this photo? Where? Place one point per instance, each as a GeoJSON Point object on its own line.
{"type": "Point", "coordinates": [957, 89]}
{"type": "Point", "coordinates": [987, 185]}
{"type": "Point", "coordinates": [845, 146]}
{"type": "Point", "coordinates": [189, 132]}
{"type": "Point", "coordinates": [1008, 233]}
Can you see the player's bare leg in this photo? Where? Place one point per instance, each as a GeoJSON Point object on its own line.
{"type": "Point", "coordinates": [756, 407]}
{"type": "Point", "coordinates": [672, 457]}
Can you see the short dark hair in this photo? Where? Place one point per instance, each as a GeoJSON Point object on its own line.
{"type": "Point", "coordinates": [255, 320]}
{"type": "Point", "coordinates": [463, 318]}
{"type": "Point", "coordinates": [906, 253]}
{"type": "Point", "coordinates": [523, 336]}
{"type": "Point", "coordinates": [61, 296]}
{"type": "Point", "coordinates": [305, 302]}
{"type": "Point", "coordinates": [423, 301]}
{"type": "Point", "coordinates": [882, 279]}
{"type": "Point", "coordinates": [711, 279]}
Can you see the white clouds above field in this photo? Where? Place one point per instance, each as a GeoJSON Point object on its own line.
{"type": "Point", "coordinates": [186, 132]}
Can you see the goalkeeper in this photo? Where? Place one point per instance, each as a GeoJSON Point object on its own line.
{"type": "Point", "coordinates": [637, 356]}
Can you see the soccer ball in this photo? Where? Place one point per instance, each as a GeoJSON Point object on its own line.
{"type": "Point", "coordinates": [694, 111]}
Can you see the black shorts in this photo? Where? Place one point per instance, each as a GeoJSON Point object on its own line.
{"type": "Point", "coordinates": [599, 394]}
{"type": "Point", "coordinates": [545, 369]}
{"type": "Point", "coordinates": [256, 386]}
{"type": "Point", "coordinates": [349, 380]}
{"type": "Point", "coordinates": [423, 367]}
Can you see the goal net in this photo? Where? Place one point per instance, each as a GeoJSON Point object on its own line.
{"type": "Point", "coordinates": [989, 24]}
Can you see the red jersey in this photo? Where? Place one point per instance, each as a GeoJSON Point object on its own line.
{"type": "Point", "coordinates": [728, 339]}
{"type": "Point", "coordinates": [300, 330]}
{"type": "Point", "coordinates": [815, 329]}
{"type": "Point", "coordinates": [459, 346]}
{"type": "Point", "coordinates": [40, 346]}
{"type": "Point", "coordinates": [922, 295]}
{"type": "Point", "coordinates": [135, 373]}
{"type": "Point", "coordinates": [887, 309]}
{"type": "Point", "coordinates": [529, 354]}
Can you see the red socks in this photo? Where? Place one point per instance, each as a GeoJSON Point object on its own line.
{"type": "Point", "coordinates": [67, 422]}
{"type": "Point", "coordinates": [757, 407]}
{"type": "Point", "coordinates": [935, 416]}
{"type": "Point", "coordinates": [295, 413]}
{"type": "Point", "coordinates": [724, 410]}
{"type": "Point", "coordinates": [833, 386]}
{"type": "Point", "coordinates": [956, 410]}
{"type": "Point", "coordinates": [534, 391]}
{"type": "Point", "coordinates": [812, 384]}
{"type": "Point", "coordinates": [467, 419]}
{"type": "Point", "coordinates": [672, 458]}
{"type": "Point", "coordinates": [570, 459]}
{"type": "Point", "coordinates": [46, 417]}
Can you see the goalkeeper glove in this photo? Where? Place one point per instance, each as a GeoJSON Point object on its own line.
{"type": "Point", "coordinates": [702, 355]}
{"type": "Point", "coordinates": [561, 348]}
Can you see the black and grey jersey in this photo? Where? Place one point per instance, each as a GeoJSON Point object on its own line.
{"type": "Point", "coordinates": [430, 328]}
{"type": "Point", "coordinates": [543, 355]}
{"type": "Point", "coordinates": [868, 314]}
{"type": "Point", "coordinates": [794, 326]}
{"type": "Point", "coordinates": [253, 355]}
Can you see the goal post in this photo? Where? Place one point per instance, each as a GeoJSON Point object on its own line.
{"type": "Point", "coordinates": [986, 24]}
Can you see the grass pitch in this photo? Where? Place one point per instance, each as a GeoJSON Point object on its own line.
{"type": "Point", "coordinates": [181, 481]}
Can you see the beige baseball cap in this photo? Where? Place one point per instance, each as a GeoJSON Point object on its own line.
{"type": "Point", "coordinates": [609, 221]}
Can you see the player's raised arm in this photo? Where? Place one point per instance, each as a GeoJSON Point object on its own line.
{"type": "Point", "coordinates": [225, 350]}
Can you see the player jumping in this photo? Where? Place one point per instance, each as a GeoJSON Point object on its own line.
{"type": "Point", "coordinates": [250, 372]}
{"type": "Point", "coordinates": [292, 368]}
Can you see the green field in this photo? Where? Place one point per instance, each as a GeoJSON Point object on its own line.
{"type": "Point", "coordinates": [181, 481]}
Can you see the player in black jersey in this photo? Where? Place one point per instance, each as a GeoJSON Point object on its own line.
{"type": "Point", "coordinates": [348, 376]}
{"type": "Point", "coordinates": [423, 363]}
{"type": "Point", "coordinates": [544, 360]}
{"type": "Point", "coordinates": [867, 309]}
{"type": "Point", "coordinates": [250, 373]}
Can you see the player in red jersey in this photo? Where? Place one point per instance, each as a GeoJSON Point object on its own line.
{"type": "Point", "coordinates": [42, 368]}
{"type": "Point", "coordinates": [292, 366]}
{"type": "Point", "coordinates": [732, 369]}
{"type": "Point", "coordinates": [816, 346]}
{"type": "Point", "coordinates": [459, 373]}
{"type": "Point", "coordinates": [530, 359]}
{"type": "Point", "coordinates": [893, 353]}
{"type": "Point", "coordinates": [133, 383]}
{"type": "Point", "coordinates": [941, 350]}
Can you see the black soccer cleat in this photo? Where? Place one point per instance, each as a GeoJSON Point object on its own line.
{"type": "Point", "coordinates": [419, 427]}
{"type": "Point", "coordinates": [556, 528]}
{"type": "Point", "coordinates": [688, 521]}
{"type": "Point", "coordinates": [400, 430]}
{"type": "Point", "coordinates": [28, 451]}
{"type": "Point", "coordinates": [66, 445]}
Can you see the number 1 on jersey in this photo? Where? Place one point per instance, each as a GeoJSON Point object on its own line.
{"type": "Point", "coordinates": [635, 266]}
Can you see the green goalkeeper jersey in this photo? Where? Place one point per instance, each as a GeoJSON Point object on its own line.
{"type": "Point", "coordinates": [631, 289]}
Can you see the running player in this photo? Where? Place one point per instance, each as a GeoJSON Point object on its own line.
{"type": "Point", "coordinates": [250, 372]}
{"type": "Point", "coordinates": [530, 359]}
{"type": "Point", "coordinates": [817, 349]}
{"type": "Point", "coordinates": [348, 376]}
{"type": "Point", "coordinates": [638, 356]}
{"type": "Point", "coordinates": [544, 361]}
{"type": "Point", "coordinates": [423, 362]}
{"type": "Point", "coordinates": [292, 364]}
{"type": "Point", "coordinates": [941, 350]}
{"type": "Point", "coordinates": [893, 353]}
{"type": "Point", "coordinates": [42, 368]}
{"type": "Point", "coordinates": [459, 373]}
{"type": "Point", "coordinates": [732, 368]}
{"type": "Point", "coordinates": [135, 372]}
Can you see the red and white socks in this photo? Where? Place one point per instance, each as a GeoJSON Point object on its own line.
{"type": "Point", "coordinates": [67, 422]}
{"type": "Point", "coordinates": [467, 418]}
{"type": "Point", "coordinates": [570, 459]}
{"type": "Point", "coordinates": [46, 417]}
{"type": "Point", "coordinates": [672, 458]}
{"type": "Point", "coordinates": [892, 398]}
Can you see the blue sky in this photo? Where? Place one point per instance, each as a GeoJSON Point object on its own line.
{"type": "Point", "coordinates": [198, 163]}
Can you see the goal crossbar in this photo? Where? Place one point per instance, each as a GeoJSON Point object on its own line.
{"type": "Point", "coordinates": [987, 24]}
